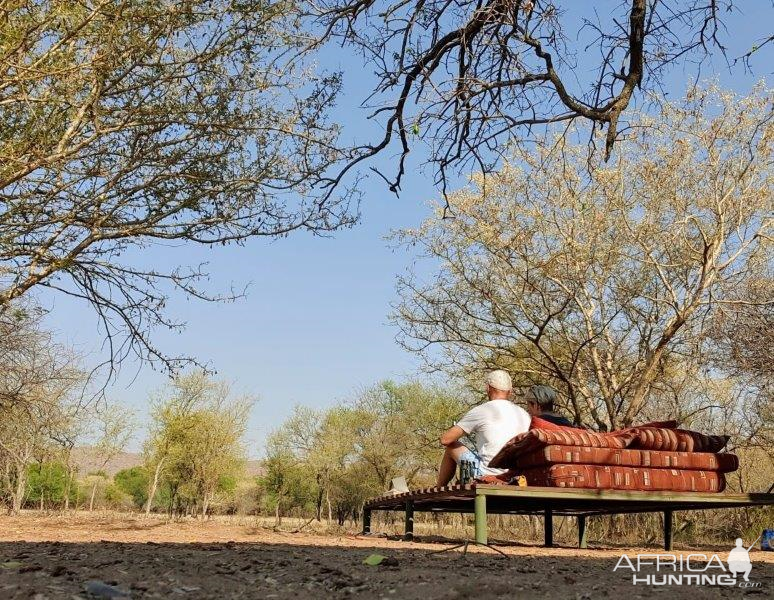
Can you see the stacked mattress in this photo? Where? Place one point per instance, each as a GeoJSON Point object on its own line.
{"type": "Point", "coordinates": [655, 456]}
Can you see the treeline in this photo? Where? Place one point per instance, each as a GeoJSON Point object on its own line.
{"type": "Point", "coordinates": [193, 458]}
{"type": "Point", "coordinates": [319, 464]}
{"type": "Point", "coordinates": [325, 464]}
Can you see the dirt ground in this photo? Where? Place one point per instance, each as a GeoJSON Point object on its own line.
{"type": "Point", "coordinates": [55, 556]}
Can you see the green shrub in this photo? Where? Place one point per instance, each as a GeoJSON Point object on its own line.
{"type": "Point", "coordinates": [48, 481]}
{"type": "Point", "coordinates": [134, 483]}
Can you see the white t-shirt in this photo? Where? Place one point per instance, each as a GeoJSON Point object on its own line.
{"type": "Point", "coordinates": [494, 423]}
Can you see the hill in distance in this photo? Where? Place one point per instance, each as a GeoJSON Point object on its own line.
{"type": "Point", "coordinates": [88, 461]}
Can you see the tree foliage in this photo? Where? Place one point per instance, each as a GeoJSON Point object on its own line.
{"type": "Point", "coordinates": [32, 362]}
{"type": "Point", "coordinates": [602, 278]}
{"type": "Point", "coordinates": [195, 446]}
{"type": "Point", "coordinates": [48, 484]}
{"type": "Point", "coordinates": [743, 334]}
{"type": "Point", "coordinates": [333, 460]}
{"type": "Point", "coordinates": [134, 482]}
{"type": "Point", "coordinates": [135, 123]}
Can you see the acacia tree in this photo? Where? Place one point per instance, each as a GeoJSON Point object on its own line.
{"type": "Point", "coordinates": [743, 335]}
{"type": "Point", "coordinates": [601, 278]}
{"type": "Point", "coordinates": [134, 123]}
{"type": "Point", "coordinates": [195, 441]}
{"type": "Point", "coordinates": [30, 359]}
{"type": "Point", "coordinates": [404, 423]}
{"type": "Point", "coordinates": [115, 425]}
{"type": "Point", "coordinates": [29, 431]}
{"type": "Point", "coordinates": [39, 397]}
{"type": "Point", "coordinates": [286, 482]}
{"type": "Point", "coordinates": [74, 430]}
{"type": "Point", "coordinates": [353, 450]}
{"type": "Point", "coordinates": [465, 78]}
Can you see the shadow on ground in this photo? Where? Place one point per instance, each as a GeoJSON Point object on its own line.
{"type": "Point", "coordinates": [41, 570]}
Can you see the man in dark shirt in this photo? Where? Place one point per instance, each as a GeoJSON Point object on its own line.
{"type": "Point", "coordinates": [540, 403]}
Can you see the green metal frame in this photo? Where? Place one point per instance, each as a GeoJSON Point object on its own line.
{"type": "Point", "coordinates": [408, 532]}
{"type": "Point", "coordinates": [550, 502]}
{"type": "Point", "coordinates": [583, 540]}
{"type": "Point", "coordinates": [480, 518]}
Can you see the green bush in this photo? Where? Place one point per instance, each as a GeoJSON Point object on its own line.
{"type": "Point", "coordinates": [134, 483]}
{"type": "Point", "coordinates": [49, 481]}
{"type": "Point", "coordinates": [116, 498]}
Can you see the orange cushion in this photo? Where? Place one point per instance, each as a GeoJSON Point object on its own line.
{"type": "Point", "coordinates": [538, 423]}
{"type": "Point", "coordinates": [625, 478]}
{"type": "Point", "coordinates": [676, 440]}
{"type": "Point", "coordinates": [529, 441]}
{"type": "Point", "coordinates": [627, 457]}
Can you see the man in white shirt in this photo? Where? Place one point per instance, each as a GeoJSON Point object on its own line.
{"type": "Point", "coordinates": [492, 424]}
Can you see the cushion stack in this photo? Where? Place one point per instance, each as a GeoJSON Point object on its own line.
{"type": "Point", "coordinates": [654, 456]}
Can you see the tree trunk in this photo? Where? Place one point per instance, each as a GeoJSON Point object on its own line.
{"type": "Point", "coordinates": [93, 493]}
{"type": "Point", "coordinates": [18, 495]}
{"type": "Point", "coordinates": [173, 504]}
{"type": "Point", "coordinates": [328, 500]}
{"type": "Point", "coordinates": [68, 488]}
{"type": "Point", "coordinates": [318, 504]}
{"type": "Point", "coordinates": [154, 485]}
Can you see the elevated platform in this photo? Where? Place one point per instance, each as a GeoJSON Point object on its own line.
{"type": "Point", "coordinates": [482, 500]}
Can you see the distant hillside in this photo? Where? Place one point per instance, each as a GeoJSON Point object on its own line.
{"type": "Point", "coordinates": [87, 461]}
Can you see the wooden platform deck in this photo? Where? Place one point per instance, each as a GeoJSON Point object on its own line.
{"type": "Point", "coordinates": [482, 500]}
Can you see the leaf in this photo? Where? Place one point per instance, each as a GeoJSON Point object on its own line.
{"type": "Point", "coordinates": [11, 564]}
{"type": "Point", "coordinates": [374, 559]}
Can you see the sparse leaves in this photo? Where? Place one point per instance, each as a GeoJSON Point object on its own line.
{"type": "Point", "coordinates": [126, 125]}
{"type": "Point", "coordinates": [195, 443]}
{"type": "Point", "coordinates": [601, 278]}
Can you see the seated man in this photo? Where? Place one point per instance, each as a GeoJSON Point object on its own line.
{"type": "Point", "coordinates": [492, 423]}
{"type": "Point", "coordinates": [540, 403]}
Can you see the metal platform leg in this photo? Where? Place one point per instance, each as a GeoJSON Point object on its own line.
{"type": "Point", "coordinates": [548, 528]}
{"type": "Point", "coordinates": [667, 530]}
{"type": "Point", "coordinates": [480, 513]}
{"type": "Point", "coordinates": [479, 510]}
{"type": "Point", "coordinates": [366, 521]}
{"type": "Point", "coordinates": [582, 532]}
{"type": "Point", "coordinates": [408, 533]}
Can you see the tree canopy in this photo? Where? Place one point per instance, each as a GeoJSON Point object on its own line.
{"type": "Point", "coordinates": [602, 278]}
{"type": "Point", "coordinates": [337, 458]}
{"type": "Point", "coordinates": [136, 123]}
{"type": "Point", "coordinates": [195, 444]}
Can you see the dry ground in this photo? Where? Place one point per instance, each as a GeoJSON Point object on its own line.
{"type": "Point", "coordinates": [54, 556]}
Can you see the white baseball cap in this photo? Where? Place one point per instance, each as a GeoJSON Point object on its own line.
{"type": "Point", "coordinates": [500, 380]}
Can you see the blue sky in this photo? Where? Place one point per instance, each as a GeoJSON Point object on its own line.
{"type": "Point", "coordinates": [313, 328]}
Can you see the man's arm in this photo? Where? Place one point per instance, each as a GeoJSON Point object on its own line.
{"type": "Point", "coordinates": [451, 435]}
